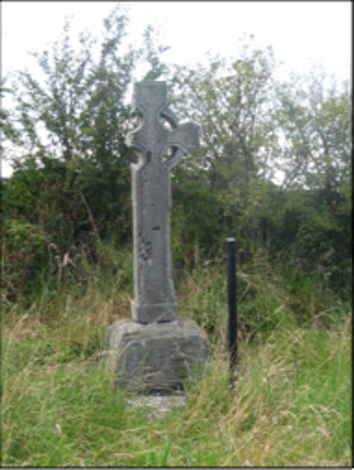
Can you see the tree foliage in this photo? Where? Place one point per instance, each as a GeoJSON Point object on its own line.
{"type": "Point", "coordinates": [72, 166]}
{"type": "Point", "coordinates": [254, 127]}
{"type": "Point", "coordinates": [71, 185]}
{"type": "Point", "coordinates": [232, 105]}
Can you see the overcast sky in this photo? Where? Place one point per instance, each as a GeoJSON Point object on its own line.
{"type": "Point", "coordinates": [301, 33]}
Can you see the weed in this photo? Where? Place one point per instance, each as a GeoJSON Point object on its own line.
{"type": "Point", "coordinates": [291, 404]}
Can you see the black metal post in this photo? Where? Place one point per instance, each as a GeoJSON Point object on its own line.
{"type": "Point", "coordinates": [231, 272]}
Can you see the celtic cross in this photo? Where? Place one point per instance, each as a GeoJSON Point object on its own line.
{"type": "Point", "coordinates": [154, 296]}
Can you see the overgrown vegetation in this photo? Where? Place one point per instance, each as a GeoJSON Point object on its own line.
{"type": "Point", "coordinates": [67, 258]}
{"type": "Point", "coordinates": [291, 405]}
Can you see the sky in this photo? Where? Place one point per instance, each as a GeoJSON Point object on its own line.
{"type": "Point", "coordinates": [300, 33]}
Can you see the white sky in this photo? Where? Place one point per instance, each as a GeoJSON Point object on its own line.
{"type": "Point", "coordinates": [300, 33]}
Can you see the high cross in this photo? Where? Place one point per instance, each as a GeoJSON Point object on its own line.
{"type": "Point", "coordinates": [154, 296]}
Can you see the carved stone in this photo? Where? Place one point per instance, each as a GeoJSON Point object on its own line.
{"type": "Point", "coordinates": [154, 296]}
{"type": "Point", "coordinates": [155, 351]}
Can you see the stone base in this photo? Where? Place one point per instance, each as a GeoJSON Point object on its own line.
{"type": "Point", "coordinates": [157, 356]}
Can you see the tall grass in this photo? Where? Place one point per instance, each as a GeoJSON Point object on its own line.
{"type": "Point", "coordinates": [290, 407]}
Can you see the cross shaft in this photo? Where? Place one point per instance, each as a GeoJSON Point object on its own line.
{"type": "Point", "coordinates": [154, 296]}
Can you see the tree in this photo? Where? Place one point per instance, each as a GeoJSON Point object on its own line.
{"type": "Point", "coordinates": [314, 121]}
{"type": "Point", "coordinates": [152, 53]}
{"type": "Point", "coordinates": [232, 105]}
{"type": "Point", "coordinates": [72, 176]}
{"type": "Point", "coordinates": [315, 124]}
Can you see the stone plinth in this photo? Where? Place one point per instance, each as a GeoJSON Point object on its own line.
{"type": "Point", "coordinates": [156, 356]}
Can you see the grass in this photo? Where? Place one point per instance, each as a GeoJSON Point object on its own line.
{"type": "Point", "coordinates": [291, 405]}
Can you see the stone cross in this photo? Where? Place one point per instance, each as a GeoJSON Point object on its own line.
{"type": "Point", "coordinates": [154, 299]}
